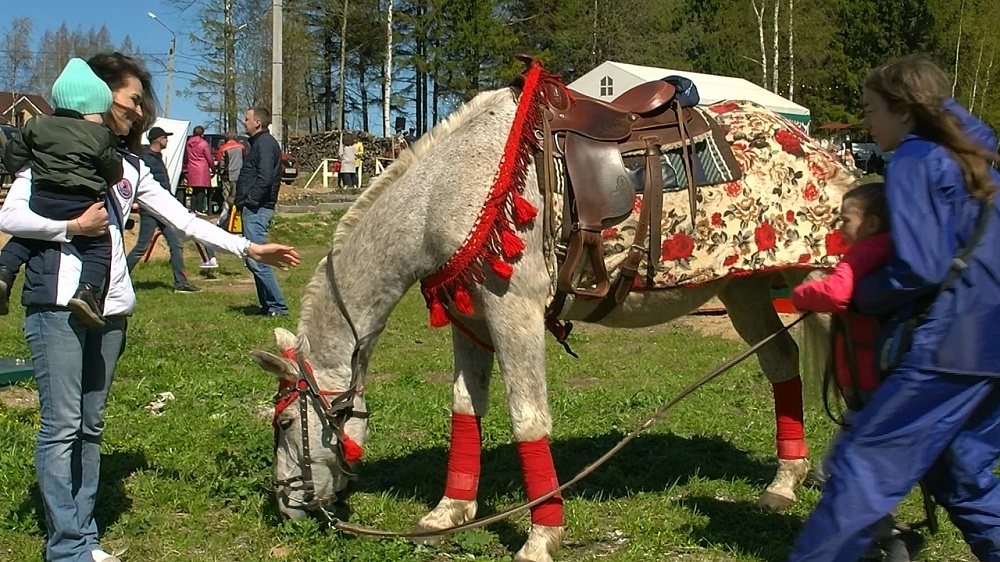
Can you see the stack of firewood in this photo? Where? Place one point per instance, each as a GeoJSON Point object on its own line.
{"type": "Point", "coordinates": [310, 150]}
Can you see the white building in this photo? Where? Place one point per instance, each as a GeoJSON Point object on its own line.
{"type": "Point", "coordinates": [611, 79]}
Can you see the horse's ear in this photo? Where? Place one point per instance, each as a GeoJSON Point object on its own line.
{"type": "Point", "coordinates": [277, 366]}
{"type": "Point", "coordinates": [285, 339]}
{"type": "Point", "coordinates": [302, 344]}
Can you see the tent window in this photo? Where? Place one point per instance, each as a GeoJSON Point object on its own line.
{"type": "Point", "coordinates": [607, 86]}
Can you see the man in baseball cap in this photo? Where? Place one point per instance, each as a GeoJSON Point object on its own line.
{"type": "Point", "coordinates": [157, 133]}
{"type": "Point", "coordinates": [153, 158]}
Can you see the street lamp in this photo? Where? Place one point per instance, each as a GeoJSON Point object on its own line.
{"type": "Point", "coordinates": [170, 62]}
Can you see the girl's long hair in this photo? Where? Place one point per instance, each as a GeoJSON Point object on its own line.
{"type": "Point", "coordinates": [917, 85]}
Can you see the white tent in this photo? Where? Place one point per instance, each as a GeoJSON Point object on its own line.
{"type": "Point", "coordinates": [611, 79]}
{"type": "Point", "coordinates": [173, 156]}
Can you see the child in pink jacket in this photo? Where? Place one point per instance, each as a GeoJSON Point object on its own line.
{"type": "Point", "coordinates": [865, 226]}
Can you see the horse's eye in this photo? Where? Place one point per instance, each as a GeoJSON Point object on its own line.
{"type": "Point", "coordinates": [285, 423]}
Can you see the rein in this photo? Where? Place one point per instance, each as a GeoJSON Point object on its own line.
{"type": "Point", "coordinates": [660, 413]}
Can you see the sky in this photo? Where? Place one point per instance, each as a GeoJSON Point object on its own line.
{"type": "Point", "coordinates": [129, 17]}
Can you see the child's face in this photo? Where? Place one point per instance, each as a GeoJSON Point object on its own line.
{"type": "Point", "coordinates": [855, 225]}
{"type": "Point", "coordinates": [886, 126]}
{"type": "Point", "coordinates": [94, 118]}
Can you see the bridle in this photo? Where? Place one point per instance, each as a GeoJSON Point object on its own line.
{"type": "Point", "coordinates": [336, 407]}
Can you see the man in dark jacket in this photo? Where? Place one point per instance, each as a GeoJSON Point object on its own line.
{"type": "Point", "coordinates": [256, 195]}
{"type": "Point", "coordinates": [153, 158]}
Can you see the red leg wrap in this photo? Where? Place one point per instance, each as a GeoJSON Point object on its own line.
{"type": "Point", "coordinates": [463, 458]}
{"type": "Point", "coordinates": [540, 479]}
{"type": "Point", "coordinates": [790, 434]}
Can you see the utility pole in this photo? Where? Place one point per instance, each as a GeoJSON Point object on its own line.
{"type": "Point", "coordinates": [277, 127]}
{"type": "Point", "coordinates": [343, 55]}
{"type": "Point", "coordinates": [170, 63]}
{"type": "Point", "coordinates": [229, 86]}
{"type": "Point", "coordinates": [387, 87]}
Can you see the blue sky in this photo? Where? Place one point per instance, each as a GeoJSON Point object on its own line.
{"type": "Point", "coordinates": [128, 17]}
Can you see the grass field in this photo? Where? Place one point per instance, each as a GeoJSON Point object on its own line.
{"type": "Point", "coordinates": [193, 484]}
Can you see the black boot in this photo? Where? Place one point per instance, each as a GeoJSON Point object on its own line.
{"type": "Point", "coordinates": [85, 307]}
{"type": "Point", "coordinates": [6, 283]}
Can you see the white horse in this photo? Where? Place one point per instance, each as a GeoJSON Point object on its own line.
{"type": "Point", "coordinates": [407, 225]}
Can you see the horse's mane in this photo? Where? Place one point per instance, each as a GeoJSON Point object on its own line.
{"type": "Point", "coordinates": [406, 160]}
{"type": "Point", "coordinates": [318, 289]}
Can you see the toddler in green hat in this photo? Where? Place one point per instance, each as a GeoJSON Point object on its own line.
{"type": "Point", "coordinates": [73, 160]}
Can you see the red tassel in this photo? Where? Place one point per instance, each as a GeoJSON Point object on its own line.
{"type": "Point", "coordinates": [352, 451]}
{"type": "Point", "coordinates": [438, 316]}
{"type": "Point", "coordinates": [501, 268]}
{"type": "Point", "coordinates": [463, 301]}
{"type": "Point", "coordinates": [524, 211]}
{"type": "Point", "coordinates": [510, 244]}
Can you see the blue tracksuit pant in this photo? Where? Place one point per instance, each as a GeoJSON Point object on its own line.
{"type": "Point", "coordinates": [917, 423]}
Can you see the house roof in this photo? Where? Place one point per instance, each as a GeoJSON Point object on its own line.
{"type": "Point", "coordinates": [8, 99]}
{"type": "Point", "coordinates": [712, 88]}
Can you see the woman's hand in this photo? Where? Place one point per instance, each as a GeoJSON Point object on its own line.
{"type": "Point", "coordinates": [93, 222]}
{"type": "Point", "coordinates": [278, 255]}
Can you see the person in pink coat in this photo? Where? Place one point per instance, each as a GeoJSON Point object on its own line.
{"type": "Point", "coordinates": [198, 164]}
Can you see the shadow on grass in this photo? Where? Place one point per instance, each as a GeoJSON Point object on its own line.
{"type": "Point", "coordinates": [651, 463]}
{"type": "Point", "coordinates": [744, 527]}
{"type": "Point", "coordinates": [112, 500]}
{"type": "Point", "coordinates": [245, 310]}
{"type": "Point", "coordinates": [150, 285]}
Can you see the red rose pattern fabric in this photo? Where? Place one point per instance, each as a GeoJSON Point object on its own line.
{"type": "Point", "coordinates": [781, 214]}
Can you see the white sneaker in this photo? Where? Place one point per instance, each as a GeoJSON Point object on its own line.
{"type": "Point", "coordinates": [101, 556]}
{"type": "Point", "coordinates": [210, 264]}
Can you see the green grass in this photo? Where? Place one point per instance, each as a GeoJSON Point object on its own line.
{"type": "Point", "coordinates": [194, 483]}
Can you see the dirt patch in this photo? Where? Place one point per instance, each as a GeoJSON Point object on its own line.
{"type": "Point", "coordinates": [15, 397]}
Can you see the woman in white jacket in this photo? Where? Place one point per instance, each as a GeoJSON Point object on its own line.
{"type": "Point", "coordinates": [73, 364]}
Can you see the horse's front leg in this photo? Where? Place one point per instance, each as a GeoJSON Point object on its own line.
{"type": "Point", "coordinates": [473, 366]}
{"type": "Point", "coordinates": [518, 334]}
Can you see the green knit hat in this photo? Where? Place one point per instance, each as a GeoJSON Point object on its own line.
{"type": "Point", "coordinates": [79, 89]}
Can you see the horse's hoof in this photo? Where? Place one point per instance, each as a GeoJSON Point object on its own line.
{"type": "Point", "coordinates": [543, 541]}
{"type": "Point", "coordinates": [430, 540]}
{"type": "Point", "coordinates": [774, 502]}
{"type": "Point", "coordinates": [780, 493]}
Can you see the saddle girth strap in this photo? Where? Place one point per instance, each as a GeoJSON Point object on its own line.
{"type": "Point", "coordinates": [650, 219]}
{"type": "Point", "coordinates": [687, 157]}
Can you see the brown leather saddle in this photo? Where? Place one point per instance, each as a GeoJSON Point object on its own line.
{"type": "Point", "coordinates": [591, 136]}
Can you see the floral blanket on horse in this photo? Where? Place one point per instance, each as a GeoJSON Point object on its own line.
{"type": "Point", "coordinates": [781, 214]}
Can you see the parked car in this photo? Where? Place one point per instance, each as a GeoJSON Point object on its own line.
{"type": "Point", "coordinates": [7, 132]}
{"type": "Point", "coordinates": [869, 158]}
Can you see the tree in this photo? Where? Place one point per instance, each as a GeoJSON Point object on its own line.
{"type": "Point", "coordinates": [56, 48]}
{"type": "Point", "coordinates": [17, 53]}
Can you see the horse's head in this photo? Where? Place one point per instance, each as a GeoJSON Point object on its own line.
{"type": "Point", "coordinates": [320, 422]}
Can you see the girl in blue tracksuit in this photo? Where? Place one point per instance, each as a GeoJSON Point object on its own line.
{"type": "Point", "coordinates": [937, 415]}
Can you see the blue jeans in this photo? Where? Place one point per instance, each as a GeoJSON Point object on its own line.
{"type": "Point", "coordinates": [919, 424]}
{"type": "Point", "coordinates": [147, 226]}
{"type": "Point", "coordinates": [255, 225]}
{"type": "Point", "coordinates": [73, 368]}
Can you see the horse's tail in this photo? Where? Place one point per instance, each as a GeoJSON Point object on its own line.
{"type": "Point", "coordinates": [814, 356]}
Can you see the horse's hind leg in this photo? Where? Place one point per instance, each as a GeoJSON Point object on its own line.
{"type": "Point", "coordinates": [748, 301]}
{"type": "Point", "coordinates": [518, 333]}
{"type": "Point", "coordinates": [473, 366]}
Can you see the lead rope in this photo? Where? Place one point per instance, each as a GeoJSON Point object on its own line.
{"type": "Point", "coordinates": [648, 422]}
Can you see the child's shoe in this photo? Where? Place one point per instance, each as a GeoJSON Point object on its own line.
{"type": "Point", "coordinates": [85, 307]}
{"type": "Point", "coordinates": [6, 283]}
